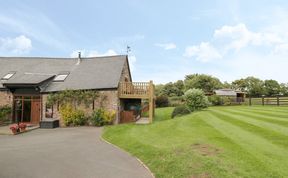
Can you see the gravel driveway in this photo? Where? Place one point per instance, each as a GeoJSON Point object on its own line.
{"type": "Point", "coordinates": [65, 152]}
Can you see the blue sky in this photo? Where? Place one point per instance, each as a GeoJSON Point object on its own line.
{"type": "Point", "coordinates": [229, 39]}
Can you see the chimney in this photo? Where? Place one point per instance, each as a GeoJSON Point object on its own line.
{"type": "Point", "coordinates": [79, 58]}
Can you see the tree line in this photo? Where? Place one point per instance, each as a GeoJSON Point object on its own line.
{"type": "Point", "coordinates": [254, 87]}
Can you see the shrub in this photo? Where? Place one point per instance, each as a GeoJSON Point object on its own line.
{"type": "Point", "coordinates": [4, 111]}
{"type": "Point", "coordinates": [162, 101]}
{"type": "Point", "coordinates": [180, 111]}
{"type": "Point", "coordinates": [195, 99]}
{"type": "Point", "coordinates": [176, 101]}
{"type": "Point", "coordinates": [226, 101]}
{"type": "Point", "coordinates": [102, 117]}
{"type": "Point", "coordinates": [215, 100]}
{"type": "Point", "coordinates": [72, 117]}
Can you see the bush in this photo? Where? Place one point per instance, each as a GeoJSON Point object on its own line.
{"type": "Point", "coordinates": [72, 117]}
{"type": "Point", "coordinates": [162, 101]}
{"type": "Point", "coordinates": [180, 111]}
{"type": "Point", "coordinates": [4, 111]}
{"type": "Point", "coordinates": [219, 100]}
{"type": "Point", "coordinates": [102, 117]}
{"type": "Point", "coordinates": [215, 100]}
{"type": "Point", "coordinates": [176, 101]}
{"type": "Point", "coordinates": [195, 99]}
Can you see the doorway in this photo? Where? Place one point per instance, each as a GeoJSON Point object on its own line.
{"type": "Point", "coordinates": [27, 109]}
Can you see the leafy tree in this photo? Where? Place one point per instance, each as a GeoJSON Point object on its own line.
{"type": "Point", "coordinates": [158, 89]}
{"type": "Point", "coordinates": [284, 89]}
{"type": "Point", "coordinates": [272, 87]}
{"type": "Point", "coordinates": [240, 84]}
{"type": "Point", "coordinates": [226, 85]}
{"type": "Point", "coordinates": [254, 87]}
{"type": "Point", "coordinates": [202, 81]}
{"type": "Point", "coordinates": [173, 89]}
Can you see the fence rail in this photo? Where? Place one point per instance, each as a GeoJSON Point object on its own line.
{"type": "Point", "coordinates": [276, 101]}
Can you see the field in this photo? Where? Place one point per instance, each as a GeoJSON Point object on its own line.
{"type": "Point", "coordinates": [238, 141]}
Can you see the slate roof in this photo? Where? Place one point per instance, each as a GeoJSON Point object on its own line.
{"type": "Point", "coordinates": [91, 73]}
{"type": "Point", "coordinates": [226, 92]}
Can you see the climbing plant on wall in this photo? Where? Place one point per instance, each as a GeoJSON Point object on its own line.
{"type": "Point", "coordinates": [74, 97]}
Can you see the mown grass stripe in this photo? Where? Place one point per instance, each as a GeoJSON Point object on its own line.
{"type": "Point", "coordinates": [279, 114]}
{"type": "Point", "coordinates": [268, 108]}
{"type": "Point", "coordinates": [259, 147]}
{"type": "Point", "coordinates": [264, 130]}
{"type": "Point", "coordinates": [274, 113]}
{"type": "Point", "coordinates": [274, 120]}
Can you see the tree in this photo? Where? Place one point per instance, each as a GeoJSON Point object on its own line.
{"type": "Point", "coordinates": [239, 85]}
{"type": "Point", "coordinates": [201, 81]}
{"type": "Point", "coordinates": [172, 89]}
{"type": "Point", "coordinates": [226, 85]}
{"type": "Point", "coordinates": [254, 87]}
{"type": "Point", "coordinates": [284, 89]}
{"type": "Point", "coordinates": [272, 87]}
{"type": "Point", "coordinates": [158, 89]}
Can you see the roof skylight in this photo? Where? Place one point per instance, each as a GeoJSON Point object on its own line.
{"type": "Point", "coordinates": [60, 78]}
{"type": "Point", "coordinates": [8, 76]}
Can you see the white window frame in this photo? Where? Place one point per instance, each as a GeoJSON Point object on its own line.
{"type": "Point", "coordinates": [60, 77]}
{"type": "Point", "coordinates": [8, 76]}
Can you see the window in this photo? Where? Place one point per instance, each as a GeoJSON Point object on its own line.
{"type": "Point", "coordinates": [8, 76]}
{"type": "Point", "coordinates": [60, 77]}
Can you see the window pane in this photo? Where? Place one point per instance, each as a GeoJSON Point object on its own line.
{"type": "Point", "coordinates": [61, 77]}
{"type": "Point", "coordinates": [8, 76]}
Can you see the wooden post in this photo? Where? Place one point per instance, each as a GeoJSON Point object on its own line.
{"type": "Point", "coordinates": [151, 98]}
{"type": "Point", "coordinates": [250, 101]}
{"type": "Point", "coordinates": [263, 100]}
{"type": "Point", "coordinates": [278, 102]}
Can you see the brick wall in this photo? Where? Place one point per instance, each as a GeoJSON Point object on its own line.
{"type": "Point", "coordinates": [6, 98]}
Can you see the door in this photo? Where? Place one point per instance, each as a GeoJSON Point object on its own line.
{"type": "Point", "coordinates": [35, 111]}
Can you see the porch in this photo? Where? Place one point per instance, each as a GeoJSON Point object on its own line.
{"type": "Point", "coordinates": [141, 95]}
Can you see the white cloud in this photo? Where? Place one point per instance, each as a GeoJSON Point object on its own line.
{"type": "Point", "coordinates": [18, 45]}
{"type": "Point", "coordinates": [238, 37]}
{"type": "Point", "coordinates": [35, 24]}
{"type": "Point", "coordinates": [203, 52]}
{"type": "Point", "coordinates": [93, 53]}
{"type": "Point", "coordinates": [166, 46]}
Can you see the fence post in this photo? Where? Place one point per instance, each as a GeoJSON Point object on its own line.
{"type": "Point", "coordinates": [250, 101]}
{"type": "Point", "coordinates": [278, 102]}
{"type": "Point", "coordinates": [263, 100]}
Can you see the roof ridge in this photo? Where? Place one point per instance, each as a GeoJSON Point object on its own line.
{"type": "Point", "coordinates": [59, 58]}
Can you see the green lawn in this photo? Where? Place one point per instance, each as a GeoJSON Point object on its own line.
{"type": "Point", "coordinates": [238, 141]}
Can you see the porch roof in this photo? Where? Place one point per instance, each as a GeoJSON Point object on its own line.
{"type": "Point", "coordinates": [28, 79]}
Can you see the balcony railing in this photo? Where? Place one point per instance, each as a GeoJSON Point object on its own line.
{"type": "Point", "coordinates": [136, 89]}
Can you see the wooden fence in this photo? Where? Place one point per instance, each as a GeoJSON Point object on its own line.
{"type": "Point", "coordinates": [276, 101]}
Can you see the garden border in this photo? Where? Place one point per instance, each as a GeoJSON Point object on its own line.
{"type": "Point", "coordinates": [141, 162]}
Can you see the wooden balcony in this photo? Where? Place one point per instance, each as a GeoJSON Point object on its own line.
{"type": "Point", "coordinates": [141, 90]}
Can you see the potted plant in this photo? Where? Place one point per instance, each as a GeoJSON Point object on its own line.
{"type": "Point", "coordinates": [22, 127]}
{"type": "Point", "coordinates": [14, 128]}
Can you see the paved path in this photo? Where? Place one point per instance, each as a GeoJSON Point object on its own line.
{"type": "Point", "coordinates": [65, 152]}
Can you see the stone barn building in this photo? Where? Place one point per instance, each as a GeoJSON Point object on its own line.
{"type": "Point", "coordinates": [25, 83]}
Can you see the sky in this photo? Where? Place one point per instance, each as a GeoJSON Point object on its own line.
{"type": "Point", "coordinates": [229, 39]}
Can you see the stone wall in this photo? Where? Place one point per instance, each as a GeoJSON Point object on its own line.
{"type": "Point", "coordinates": [6, 98]}
{"type": "Point", "coordinates": [125, 74]}
{"type": "Point", "coordinates": [108, 100]}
